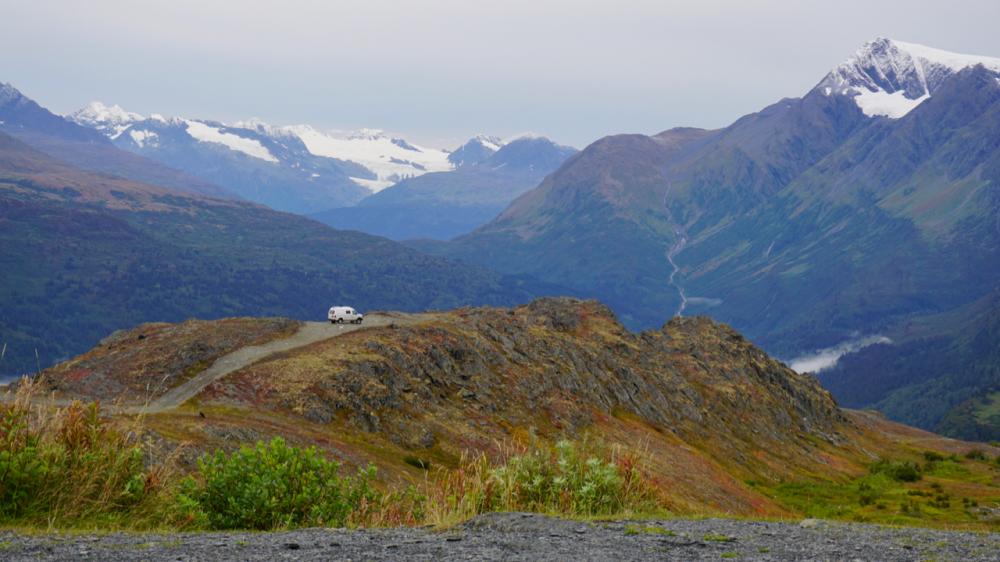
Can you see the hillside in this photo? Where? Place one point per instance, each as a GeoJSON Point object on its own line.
{"type": "Point", "coordinates": [96, 253]}
{"type": "Point", "coordinates": [942, 372]}
{"type": "Point", "coordinates": [725, 428]}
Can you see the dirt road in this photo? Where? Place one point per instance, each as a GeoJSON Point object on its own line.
{"type": "Point", "coordinates": [310, 332]}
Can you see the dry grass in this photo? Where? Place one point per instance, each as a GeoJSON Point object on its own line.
{"type": "Point", "coordinates": [579, 479]}
{"type": "Point", "coordinates": [66, 466]}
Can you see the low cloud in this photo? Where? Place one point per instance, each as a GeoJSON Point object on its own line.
{"type": "Point", "coordinates": [827, 358]}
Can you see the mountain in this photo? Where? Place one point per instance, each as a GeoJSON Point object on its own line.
{"type": "Point", "coordinates": [721, 426]}
{"type": "Point", "coordinates": [260, 163]}
{"type": "Point", "coordinates": [475, 150]}
{"type": "Point", "coordinates": [24, 119]}
{"type": "Point", "coordinates": [807, 224]}
{"type": "Point", "coordinates": [489, 174]}
{"type": "Point", "coordinates": [889, 78]}
{"type": "Point", "coordinates": [389, 159]}
{"type": "Point", "coordinates": [92, 253]}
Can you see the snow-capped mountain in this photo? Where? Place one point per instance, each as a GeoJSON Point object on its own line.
{"type": "Point", "coordinates": [257, 162]}
{"type": "Point", "coordinates": [389, 159]}
{"type": "Point", "coordinates": [889, 78]}
{"type": "Point", "coordinates": [369, 159]}
{"type": "Point", "coordinates": [111, 121]}
{"type": "Point", "coordinates": [476, 150]}
{"type": "Point", "coordinates": [489, 174]}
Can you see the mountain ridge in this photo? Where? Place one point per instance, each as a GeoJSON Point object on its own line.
{"type": "Point", "coordinates": [802, 225]}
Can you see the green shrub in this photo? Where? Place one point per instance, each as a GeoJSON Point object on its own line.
{"type": "Point", "coordinates": [567, 479]}
{"type": "Point", "coordinates": [272, 486]}
{"type": "Point", "coordinates": [901, 471]}
{"type": "Point", "coordinates": [64, 466]}
{"type": "Point", "coordinates": [933, 456]}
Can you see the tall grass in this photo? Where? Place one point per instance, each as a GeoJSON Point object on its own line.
{"type": "Point", "coordinates": [70, 467]}
{"type": "Point", "coordinates": [574, 479]}
{"type": "Point", "coordinates": [67, 467]}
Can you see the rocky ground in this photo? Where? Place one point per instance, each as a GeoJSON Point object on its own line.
{"type": "Point", "coordinates": [516, 536]}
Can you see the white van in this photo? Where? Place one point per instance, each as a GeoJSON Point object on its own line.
{"type": "Point", "coordinates": [341, 314]}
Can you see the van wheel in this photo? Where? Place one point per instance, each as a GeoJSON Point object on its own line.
{"type": "Point", "coordinates": [340, 320]}
{"type": "Point", "coordinates": [333, 321]}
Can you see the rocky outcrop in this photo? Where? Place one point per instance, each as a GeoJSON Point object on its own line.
{"type": "Point", "coordinates": [556, 365]}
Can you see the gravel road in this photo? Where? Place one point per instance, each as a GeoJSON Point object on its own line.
{"type": "Point", "coordinates": [516, 536]}
{"type": "Point", "coordinates": [310, 332]}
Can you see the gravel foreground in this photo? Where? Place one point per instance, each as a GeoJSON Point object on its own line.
{"type": "Point", "coordinates": [517, 536]}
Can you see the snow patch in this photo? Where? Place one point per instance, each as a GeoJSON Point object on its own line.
{"type": "Point", "coordinates": [954, 61]}
{"type": "Point", "coordinates": [884, 104]}
{"type": "Point", "coordinates": [389, 159]}
{"type": "Point", "coordinates": [251, 147]}
{"type": "Point", "coordinates": [142, 137]}
{"type": "Point", "coordinates": [527, 135]}
{"type": "Point", "coordinates": [373, 185]}
{"type": "Point", "coordinates": [490, 142]}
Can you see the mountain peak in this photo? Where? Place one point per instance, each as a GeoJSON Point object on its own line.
{"type": "Point", "coordinates": [111, 120]}
{"type": "Point", "coordinates": [475, 150]}
{"type": "Point", "coordinates": [8, 93]}
{"type": "Point", "coordinates": [889, 78]}
{"type": "Point", "coordinates": [488, 141]}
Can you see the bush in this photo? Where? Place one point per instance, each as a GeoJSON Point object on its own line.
{"type": "Point", "coordinates": [933, 456]}
{"type": "Point", "coordinates": [901, 471]}
{"type": "Point", "coordinates": [976, 455]}
{"type": "Point", "coordinates": [566, 479]}
{"type": "Point", "coordinates": [272, 486]}
{"type": "Point", "coordinates": [64, 466]}
{"type": "Point", "coordinates": [868, 494]}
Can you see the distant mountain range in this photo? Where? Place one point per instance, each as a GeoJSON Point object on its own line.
{"type": "Point", "coordinates": [90, 252]}
{"type": "Point", "coordinates": [297, 169]}
{"type": "Point", "coordinates": [868, 202]}
{"type": "Point", "coordinates": [364, 180]}
{"type": "Point", "coordinates": [435, 193]}
{"type": "Point", "coordinates": [488, 175]}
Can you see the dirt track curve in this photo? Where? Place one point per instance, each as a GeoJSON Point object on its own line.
{"type": "Point", "coordinates": [310, 332]}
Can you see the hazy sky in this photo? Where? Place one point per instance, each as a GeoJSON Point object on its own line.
{"type": "Point", "coordinates": [438, 71]}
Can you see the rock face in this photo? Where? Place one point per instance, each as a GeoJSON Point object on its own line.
{"type": "Point", "coordinates": [556, 366]}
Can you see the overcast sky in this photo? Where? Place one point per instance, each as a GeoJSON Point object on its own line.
{"type": "Point", "coordinates": [439, 71]}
